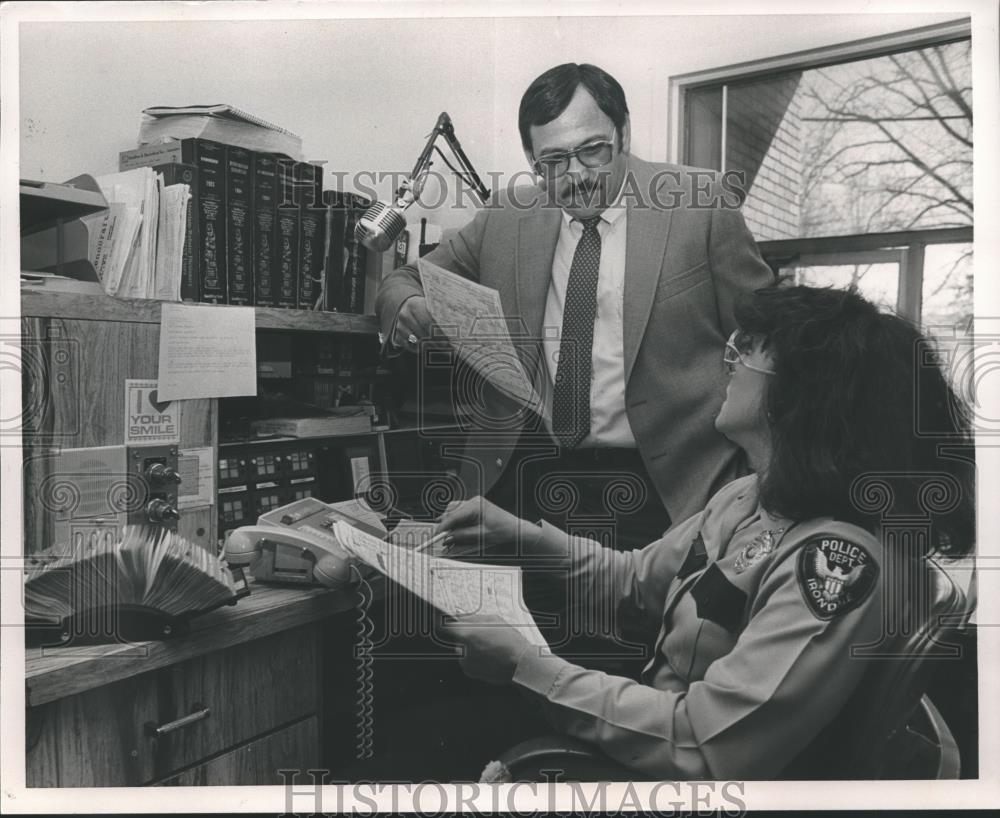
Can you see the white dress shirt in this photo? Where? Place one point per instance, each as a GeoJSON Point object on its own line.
{"type": "Point", "coordinates": [609, 425]}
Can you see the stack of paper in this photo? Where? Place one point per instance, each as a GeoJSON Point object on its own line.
{"type": "Point", "coordinates": [219, 123]}
{"type": "Point", "coordinates": [137, 245]}
{"type": "Point", "coordinates": [139, 192]}
{"type": "Point", "coordinates": [170, 241]}
{"type": "Point", "coordinates": [113, 236]}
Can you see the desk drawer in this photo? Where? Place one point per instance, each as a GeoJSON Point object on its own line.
{"type": "Point", "coordinates": [203, 707]}
{"type": "Point", "coordinates": [295, 747]}
{"type": "Point", "coordinates": [235, 694]}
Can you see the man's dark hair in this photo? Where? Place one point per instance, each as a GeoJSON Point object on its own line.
{"type": "Point", "coordinates": [854, 394]}
{"type": "Point", "coordinates": [548, 96]}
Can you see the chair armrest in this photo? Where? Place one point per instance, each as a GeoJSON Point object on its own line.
{"type": "Point", "coordinates": [554, 758]}
{"type": "Point", "coordinates": [949, 764]}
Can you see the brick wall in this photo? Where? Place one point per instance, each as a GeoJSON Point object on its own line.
{"type": "Point", "coordinates": [763, 139]}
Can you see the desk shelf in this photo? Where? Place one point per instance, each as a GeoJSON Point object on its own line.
{"type": "Point", "coordinates": [57, 672]}
{"type": "Point", "coordinates": [86, 305]}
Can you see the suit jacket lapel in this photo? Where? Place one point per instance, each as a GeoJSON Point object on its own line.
{"type": "Point", "coordinates": [538, 233]}
{"type": "Point", "coordinates": [646, 243]}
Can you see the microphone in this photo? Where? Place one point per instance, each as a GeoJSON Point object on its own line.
{"type": "Point", "coordinates": [379, 226]}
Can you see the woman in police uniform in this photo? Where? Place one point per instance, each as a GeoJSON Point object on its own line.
{"type": "Point", "coordinates": [757, 600]}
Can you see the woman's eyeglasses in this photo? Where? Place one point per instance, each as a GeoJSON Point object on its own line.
{"type": "Point", "coordinates": [591, 155]}
{"type": "Point", "coordinates": [732, 356]}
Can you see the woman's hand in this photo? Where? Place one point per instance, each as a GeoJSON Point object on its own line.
{"type": "Point", "coordinates": [489, 648]}
{"type": "Point", "coordinates": [474, 522]}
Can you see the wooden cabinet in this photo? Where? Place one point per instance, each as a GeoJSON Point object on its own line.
{"type": "Point", "coordinates": [244, 695]}
{"type": "Point", "coordinates": [94, 739]}
{"type": "Point", "coordinates": [259, 762]}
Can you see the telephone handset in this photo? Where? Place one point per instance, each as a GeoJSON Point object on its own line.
{"type": "Point", "coordinates": [279, 554]}
{"type": "Point", "coordinates": [295, 543]}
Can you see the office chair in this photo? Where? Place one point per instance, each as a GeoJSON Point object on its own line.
{"type": "Point", "coordinates": [892, 730]}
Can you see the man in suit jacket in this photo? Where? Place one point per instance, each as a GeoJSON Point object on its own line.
{"type": "Point", "coordinates": [667, 250]}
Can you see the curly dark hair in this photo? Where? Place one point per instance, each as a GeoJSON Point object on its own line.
{"type": "Point", "coordinates": [863, 420]}
{"type": "Point", "coordinates": [550, 93]}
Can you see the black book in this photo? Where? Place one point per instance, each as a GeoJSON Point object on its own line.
{"type": "Point", "coordinates": [264, 226]}
{"type": "Point", "coordinates": [211, 160]}
{"type": "Point", "coordinates": [177, 173]}
{"type": "Point", "coordinates": [299, 183]}
{"type": "Point", "coordinates": [353, 289]}
{"type": "Point", "coordinates": [239, 222]}
{"type": "Point", "coordinates": [333, 271]}
{"type": "Point", "coordinates": [286, 290]}
{"type": "Point", "coordinates": [308, 193]}
{"type": "Point", "coordinates": [312, 233]}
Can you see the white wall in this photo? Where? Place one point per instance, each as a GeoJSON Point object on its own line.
{"type": "Point", "coordinates": [363, 94]}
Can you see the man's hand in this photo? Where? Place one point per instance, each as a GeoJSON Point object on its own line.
{"type": "Point", "coordinates": [489, 648]}
{"type": "Point", "coordinates": [413, 323]}
{"type": "Point", "coordinates": [474, 522]}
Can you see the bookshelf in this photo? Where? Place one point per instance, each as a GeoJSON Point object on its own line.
{"type": "Point", "coordinates": [54, 302]}
{"type": "Point", "coordinates": [82, 345]}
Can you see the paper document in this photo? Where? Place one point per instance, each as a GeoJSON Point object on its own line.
{"type": "Point", "coordinates": [412, 533]}
{"type": "Point", "coordinates": [453, 587]}
{"type": "Point", "coordinates": [170, 242]}
{"type": "Point", "coordinates": [472, 318]}
{"type": "Point", "coordinates": [139, 190]}
{"type": "Point", "coordinates": [207, 352]}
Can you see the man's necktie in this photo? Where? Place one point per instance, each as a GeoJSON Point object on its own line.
{"type": "Point", "coordinates": [571, 397]}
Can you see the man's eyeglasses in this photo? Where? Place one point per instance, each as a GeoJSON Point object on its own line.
{"type": "Point", "coordinates": [733, 356]}
{"type": "Point", "coordinates": [591, 155]}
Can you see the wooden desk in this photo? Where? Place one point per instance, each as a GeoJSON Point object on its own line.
{"type": "Point", "coordinates": [252, 677]}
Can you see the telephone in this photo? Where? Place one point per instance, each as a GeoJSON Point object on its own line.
{"type": "Point", "coordinates": [295, 543]}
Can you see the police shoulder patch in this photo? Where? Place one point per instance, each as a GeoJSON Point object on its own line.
{"type": "Point", "coordinates": [835, 575]}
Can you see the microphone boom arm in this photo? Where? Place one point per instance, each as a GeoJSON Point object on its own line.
{"type": "Point", "coordinates": [447, 130]}
{"type": "Point", "coordinates": [379, 226]}
{"type": "Point", "coordinates": [405, 195]}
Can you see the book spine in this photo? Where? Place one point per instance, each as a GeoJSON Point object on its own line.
{"type": "Point", "coordinates": [211, 161]}
{"type": "Point", "coordinates": [299, 183]}
{"type": "Point", "coordinates": [353, 291]}
{"type": "Point", "coordinates": [312, 222]}
{"type": "Point", "coordinates": [284, 172]}
{"type": "Point", "coordinates": [163, 153]}
{"type": "Point", "coordinates": [309, 184]}
{"type": "Point", "coordinates": [264, 204]}
{"type": "Point", "coordinates": [177, 173]}
{"type": "Point", "coordinates": [333, 270]}
{"type": "Point", "coordinates": [288, 257]}
{"type": "Point", "coordinates": [239, 226]}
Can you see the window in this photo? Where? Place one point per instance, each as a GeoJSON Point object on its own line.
{"type": "Point", "coordinates": [857, 164]}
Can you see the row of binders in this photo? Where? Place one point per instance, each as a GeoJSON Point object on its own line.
{"type": "Point", "coordinates": [253, 229]}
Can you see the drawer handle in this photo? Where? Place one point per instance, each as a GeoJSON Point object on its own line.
{"type": "Point", "coordinates": [177, 724]}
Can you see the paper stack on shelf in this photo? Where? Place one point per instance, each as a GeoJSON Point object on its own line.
{"type": "Point", "coordinates": [137, 244]}
{"type": "Point", "coordinates": [170, 242]}
{"type": "Point", "coordinates": [139, 193]}
{"type": "Point", "coordinates": [113, 236]}
{"type": "Point", "coordinates": [219, 123]}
